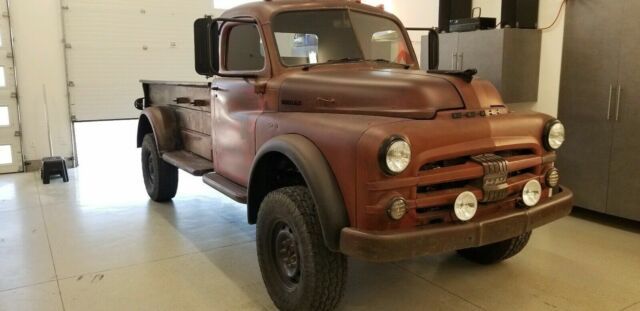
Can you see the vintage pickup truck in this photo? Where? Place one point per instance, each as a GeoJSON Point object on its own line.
{"type": "Point", "coordinates": [319, 118]}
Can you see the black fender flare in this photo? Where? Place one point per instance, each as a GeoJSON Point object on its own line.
{"type": "Point", "coordinates": [320, 181]}
{"type": "Point", "coordinates": [163, 123]}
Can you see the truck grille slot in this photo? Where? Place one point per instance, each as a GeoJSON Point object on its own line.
{"type": "Point", "coordinates": [444, 163]}
{"type": "Point", "coordinates": [444, 186]}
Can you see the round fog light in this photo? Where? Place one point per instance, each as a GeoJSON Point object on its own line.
{"type": "Point", "coordinates": [532, 193]}
{"type": "Point", "coordinates": [465, 206]}
{"type": "Point", "coordinates": [552, 178]}
{"type": "Point", "coordinates": [397, 209]}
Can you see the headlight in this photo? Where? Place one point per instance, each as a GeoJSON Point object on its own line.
{"type": "Point", "coordinates": [554, 135]}
{"type": "Point", "coordinates": [531, 193]}
{"type": "Point", "coordinates": [395, 155]}
{"type": "Point", "coordinates": [397, 209]}
{"type": "Point", "coordinates": [552, 178]}
{"type": "Point", "coordinates": [465, 206]}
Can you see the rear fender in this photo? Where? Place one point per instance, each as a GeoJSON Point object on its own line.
{"type": "Point", "coordinates": [163, 124]}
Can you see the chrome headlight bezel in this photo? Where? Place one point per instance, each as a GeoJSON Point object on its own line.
{"type": "Point", "coordinates": [553, 125]}
{"type": "Point", "coordinates": [383, 154]}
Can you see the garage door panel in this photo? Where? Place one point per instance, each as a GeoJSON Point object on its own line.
{"type": "Point", "coordinates": [111, 45]}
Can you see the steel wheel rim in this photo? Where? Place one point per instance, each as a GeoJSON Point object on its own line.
{"type": "Point", "coordinates": [286, 255]}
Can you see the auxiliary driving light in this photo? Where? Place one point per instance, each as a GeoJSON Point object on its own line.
{"type": "Point", "coordinates": [532, 193]}
{"type": "Point", "coordinates": [465, 206]}
{"type": "Point", "coordinates": [397, 209]}
{"type": "Point", "coordinates": [552, 178]}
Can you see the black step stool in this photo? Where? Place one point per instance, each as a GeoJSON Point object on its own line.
{"type": "Point", "coordinates": [53, 166]}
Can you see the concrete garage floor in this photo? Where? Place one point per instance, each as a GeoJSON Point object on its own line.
{"type": "Point", "coordinates": [98, 243]}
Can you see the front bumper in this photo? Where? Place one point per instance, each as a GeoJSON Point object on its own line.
{"type": "Point", "coordinates": [393, 246]}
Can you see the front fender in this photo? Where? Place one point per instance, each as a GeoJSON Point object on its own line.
{"type": "Point", "coordinates": [163, 123]}
{"type": "Point", "coordinates": [319, 179]}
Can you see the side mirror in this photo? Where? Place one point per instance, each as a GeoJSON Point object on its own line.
{"type": "Point", "coordinates": [434, 46]}
{"type": "Point", "coordinates": [205, 35]}
{"type": "Point", "coordinates": [434, 50]}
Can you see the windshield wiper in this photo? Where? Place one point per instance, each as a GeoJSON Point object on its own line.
{"type": "Point", "coordinates": [386, 61]}
{"type": "Point", "coordinates": [335, 61]}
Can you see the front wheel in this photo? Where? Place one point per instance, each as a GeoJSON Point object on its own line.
{"type": "Point", "coordinates": [299, 271]}
{"type": "Point", "coordinates": [160, 177]}
{"type": "Point", "coordinates": [496, 252]}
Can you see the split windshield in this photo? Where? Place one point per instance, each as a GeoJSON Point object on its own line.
{"type": "Point", "coordinates": [330, 36]}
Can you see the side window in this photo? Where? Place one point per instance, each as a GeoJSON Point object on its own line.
{"type": "Point", "coordinates": [244, 49]}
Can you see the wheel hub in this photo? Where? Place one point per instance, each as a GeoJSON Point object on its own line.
{"type": "Point", "coordinates": [286, 254]}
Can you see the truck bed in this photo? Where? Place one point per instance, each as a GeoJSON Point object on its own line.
{"type": "Point", "coordinates": [191, 103]}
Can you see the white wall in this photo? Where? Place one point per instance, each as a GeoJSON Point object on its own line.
{"type": "Point", "coordinates": [39, 58]}
{"type": "Point", "coordinates": [551, 57]}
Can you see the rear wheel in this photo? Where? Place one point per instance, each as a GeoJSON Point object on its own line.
{"type": "Point", "coordinates": [496, 252]}
{"type": "Point", "coordinates": [160, 177]}
{"type": "Point", "coordinates": [299, 271]}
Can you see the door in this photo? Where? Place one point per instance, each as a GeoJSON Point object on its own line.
{"type": "Point", "coordinates": [587, 91]}
{"type": "Point", "coordinates": [448, 51]}
{"type": "Point", "coordinates": [10, 148]}
{"type": "Point", "coordinates": [112, 45]}
{"type": "Point", "coordinates": [237, 102]}
{"type": "Point", "coordinates": [624, 175]}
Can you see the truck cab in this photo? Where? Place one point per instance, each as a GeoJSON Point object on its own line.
{"type": "Point", "coordinates": [318, 116]}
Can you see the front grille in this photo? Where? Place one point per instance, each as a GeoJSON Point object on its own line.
{"type": "Point", "coordinates": [491, 177]}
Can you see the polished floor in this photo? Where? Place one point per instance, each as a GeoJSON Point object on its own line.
{"type": "Point", "coordinates": [98, 243]}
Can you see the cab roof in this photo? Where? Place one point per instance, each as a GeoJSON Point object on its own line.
{"type": "Point", "coordinates": [264, 10]}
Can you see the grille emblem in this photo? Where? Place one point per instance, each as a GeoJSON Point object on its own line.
{"type": "Point", "coordinates": [494, 182]}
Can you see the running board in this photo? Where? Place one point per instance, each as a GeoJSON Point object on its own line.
{"type": "Point", "coordinates": [227, 187]}
{"type": "Point", "coordinates": [189, 162]}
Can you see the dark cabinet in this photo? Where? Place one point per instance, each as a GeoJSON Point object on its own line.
{"type": "Point", "coordinates": [598, 106]}
{"type": "Point", "coordinates": [509, 58]}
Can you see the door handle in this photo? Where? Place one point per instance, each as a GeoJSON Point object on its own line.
{"type": "Point", "coordinates": [182, 100]}
{"type": "Point", "coordinates": [217, 88]}
{"type": "Point", "coordinates": [609, 105]}
{"type": "Point", "coordinates": [618, 103]}
{"type": "Point", "coordinates": [460, 64]}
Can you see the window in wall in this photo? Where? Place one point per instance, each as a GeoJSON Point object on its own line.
{"type": "Point", "coordinates": [5, 155]}
{"type": "Point", "coordinates": [3, 82]}
{"type": "Point", "coordinates": [244, 49]}
{"type": "Point", "coordinates": [227, 4]}
{"type": "Point", "coordinates": [4, 116]}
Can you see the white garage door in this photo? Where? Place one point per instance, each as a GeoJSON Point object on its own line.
{"type": "Point", "coordinates": [111, 45]}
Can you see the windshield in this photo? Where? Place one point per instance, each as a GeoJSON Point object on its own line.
{"type": "Point", "coordinates": [316, 37]}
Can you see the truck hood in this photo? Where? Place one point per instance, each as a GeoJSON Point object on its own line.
{"type": "Point", "coordinates": [382, 92]}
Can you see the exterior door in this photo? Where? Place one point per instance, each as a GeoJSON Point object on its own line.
{"type": "Point", "coordinates": [237, 104]}
{"type": "Point", "coordinates": [448, 47]}
{"type": "Point", "coordinates": [587, 96]}
{"type": "Point", "coordinates": [10, 148]}
{"type": "Point", "coordinates": [624, 176]}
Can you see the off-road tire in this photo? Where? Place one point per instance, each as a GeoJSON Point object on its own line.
{"type": "Point", "coordinates": [321, 274]}
{"type": "Point", "coordinates": [496, 252]}
{"type": "Point", "coordinates": [160, 177]}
